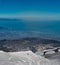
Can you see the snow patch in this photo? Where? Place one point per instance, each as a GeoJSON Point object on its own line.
{"type": "Point", "coordinates": [22, 58]}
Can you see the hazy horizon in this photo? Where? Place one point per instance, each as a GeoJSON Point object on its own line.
{"type": "Point", "coordinates": [30, 9]}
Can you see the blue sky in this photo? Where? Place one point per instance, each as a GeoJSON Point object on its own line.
{"type": "Point", "coordinates": [30, 8]}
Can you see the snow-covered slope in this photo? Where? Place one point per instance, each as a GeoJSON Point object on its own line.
{"type": "Point", "coordinates": [22, 58]}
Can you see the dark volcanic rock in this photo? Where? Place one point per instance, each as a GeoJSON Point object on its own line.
{"type": "Point", "coordinates": [26, 44]}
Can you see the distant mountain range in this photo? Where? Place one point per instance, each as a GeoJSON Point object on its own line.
{"type": "Point", "coordinates": [8, 19]}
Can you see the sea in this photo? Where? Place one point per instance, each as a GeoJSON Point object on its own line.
{"type": "Point", "coordinates": [17, 28]}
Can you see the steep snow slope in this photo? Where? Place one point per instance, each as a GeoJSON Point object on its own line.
{"type": "Point", "coordinates": [29, 58]}
{"type": "Point", "coordinates": [22, 58]}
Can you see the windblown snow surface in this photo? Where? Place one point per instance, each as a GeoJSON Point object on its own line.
{"type": "Point", "coordinates": [23, 58]}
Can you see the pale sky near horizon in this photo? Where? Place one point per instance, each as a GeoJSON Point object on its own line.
{"type": "Point", "coordinates": [31, 9]}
